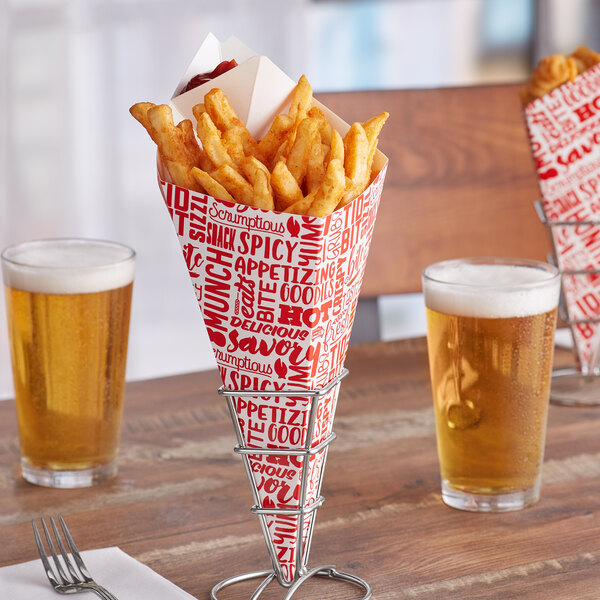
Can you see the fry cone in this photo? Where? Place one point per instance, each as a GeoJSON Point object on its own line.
{"type": "Point", "coordinates": [278, 294]}
{"type": "Point", "coordinates": [564, 132]}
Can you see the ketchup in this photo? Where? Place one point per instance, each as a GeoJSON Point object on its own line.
{"type": "Point", "coordinates": [201, 78]}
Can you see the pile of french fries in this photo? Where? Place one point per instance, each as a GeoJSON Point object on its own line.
{"type": "Point", "coordinates": [301, 165]}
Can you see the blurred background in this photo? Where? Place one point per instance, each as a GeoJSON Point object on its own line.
{"type": "Point", "coordinates": [73, 162]}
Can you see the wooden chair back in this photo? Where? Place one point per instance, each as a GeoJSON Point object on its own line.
{"type": "Point", "coordinates": [460, 181]}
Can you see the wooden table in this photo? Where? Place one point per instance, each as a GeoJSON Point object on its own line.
{"type": "Point", "coordinates": [461, 180]}
{"type": "Point", "coordinates": [180, 502]}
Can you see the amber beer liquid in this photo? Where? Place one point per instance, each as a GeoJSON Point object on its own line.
{"type": "Point", "coordinates": [490, 335]}
{"type": "Point", "coordinates": [68, 306]}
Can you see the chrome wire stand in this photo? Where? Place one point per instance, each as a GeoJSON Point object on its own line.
{"type": "Point", "coordinates": [578, 385]}
{"type": "Point", "coordinates": [301, 572]}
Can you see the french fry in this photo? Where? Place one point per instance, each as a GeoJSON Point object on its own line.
{"type": "Point", "coordinates": [275, 137]}
{"type": "Point", "coordinates": [297, 160]}
{"type": "Point", "coordinates": [249, 144]}
{"type": "Point", "coordinates": [235, 184]}
{"type": "Point", "coordinates": [585, 58]}
{"type": "Point", "coordinates": [169, 138]}
{"type": "Point", "coordinates": [301, 206]}
{"type": "Point", "coordinates": [139, 112]}
{"type": "Point", "coordinates": [260, 178]}
{"type": "Point", "coordinates": [181, 175]}
{"type": "Point", "coordinates": [196, 156]}
{"type": "Point", "coordinates": [337, 147]}
{"type": "Point", "coordinates": [212, 186]}
{"type": "Point", "coordinates": [325, 129]}
{"type": "Point", "coordinates": [373, 128]}
{"type": "Point", "coordinates": [550, 73]}
{"type": "Point", "coordinates": [315, 168]}
{"type": "Point", "coordinates": [225, 118]}
{"type": "Point", "coordinates": [328, 196]}
{"type": "Point", "coordinates": [263, 194]}
{"type": "Point", "coordinates": [299, 107]}
{"type": "Point", "coordinates": [220, 110]}
{"type": "Point", "coordinates": [356, 152]}
{"type": "Point", "coordinates": [171, 146]}
{"type": "Point", "coordinates": [197, 110]}
{"type": "Point", "coordinates": [211, 141]}
{"type": "Point", "coordinates": [374, 125]}
{"type": "Point", "coordinates": [234, 147]}
{"type": "Point", "coordinates": [281, 153]}
{"type": "Point", "coordinates": [356, 161]}
{"type": "Point", "coordinates": [285, 187]}
{"type": "Point", "coordinates": [301, 100]}
{"type": "Point", "coordinates": [251, 165]}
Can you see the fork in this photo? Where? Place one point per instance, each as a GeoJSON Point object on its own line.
{"type": "Point", "coordinates": [80, 579]}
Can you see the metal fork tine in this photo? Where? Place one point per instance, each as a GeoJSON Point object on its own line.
{"type": "Point", "coordinates": [74, 574]}
{"type": "Point", "coordinates": [74, 550]}
{"type": "Point", "coordinates": [55, 558]}
{"type": "Point", "coordinates": [42, 552]}
{"type": "Point", "coordinates": [80, 580]}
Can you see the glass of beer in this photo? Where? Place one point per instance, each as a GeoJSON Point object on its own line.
{"type": "Point", "coordinates": [68, 303]}
{"type": "Point", "coordinates": [490, 338]}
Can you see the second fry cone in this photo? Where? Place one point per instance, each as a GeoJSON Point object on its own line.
{"type": "Point", "coordinates": [564, 133]}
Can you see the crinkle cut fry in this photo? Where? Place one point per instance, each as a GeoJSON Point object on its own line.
{"type": "Point", "coordinates": [295, 167]}
{"type": "Point", "coordinates": [225, 118]}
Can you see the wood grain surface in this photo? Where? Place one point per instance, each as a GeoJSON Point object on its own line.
{"type": "Point", "coordinates": [180, 502]}
{"type": "Point", "coordinates": [460, 181]}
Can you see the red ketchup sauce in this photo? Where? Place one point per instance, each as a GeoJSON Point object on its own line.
{"type": "Point", "coordinates": [201, 78]}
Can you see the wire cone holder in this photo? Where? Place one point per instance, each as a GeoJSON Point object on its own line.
{"type": "Point", "coordinates": [578, 385]}
{"type": "Point", "coordinates": [304, 512]}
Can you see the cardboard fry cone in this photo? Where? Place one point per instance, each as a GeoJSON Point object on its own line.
{"type": "Point", "coordinates": [278, 294]}
{"type": "Point", "coordinates": [564, 132]}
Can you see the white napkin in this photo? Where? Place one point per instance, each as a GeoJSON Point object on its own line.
{"type": "Point", "coordinates": [121, 574]}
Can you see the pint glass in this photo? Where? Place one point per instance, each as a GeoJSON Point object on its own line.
{"type": "Point", "coordinates": [490, 337]}
{"type": "Point", "coordinates": [68, 304]}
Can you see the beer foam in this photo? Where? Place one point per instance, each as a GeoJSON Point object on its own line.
{"type": "Point", "coordinates": [68, 266]}
{"type": "Point", "coordinates": [490, 290]}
